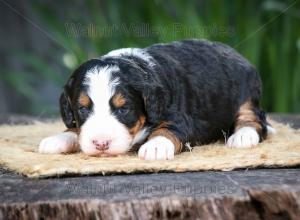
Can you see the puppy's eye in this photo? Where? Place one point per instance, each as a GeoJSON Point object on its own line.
{"type": "Point", "coordinates": [83, 110]}
{"type": "Point", "coordinates": [122, 111]}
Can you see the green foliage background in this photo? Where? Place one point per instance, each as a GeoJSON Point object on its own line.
{"type": "Point", "coordinates": [266, 32]}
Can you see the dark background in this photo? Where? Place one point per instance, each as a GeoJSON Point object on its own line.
{"type": "Point", "coordinates": [43, 41]}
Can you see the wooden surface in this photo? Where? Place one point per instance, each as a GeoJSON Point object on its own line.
{"type": "Point", "coordinates": [242, 194]}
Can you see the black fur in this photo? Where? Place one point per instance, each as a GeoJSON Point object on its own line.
{"type": "Point", "coordinates": [196, 86]}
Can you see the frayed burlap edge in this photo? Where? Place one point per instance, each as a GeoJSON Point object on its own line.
{"type": "Point", "coordinates": [18, 152]}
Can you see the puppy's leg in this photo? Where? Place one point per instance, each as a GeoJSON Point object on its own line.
{"type": "Point", "coordinates": [162, 144]}
{"type": "Point", "coordinates": [65, 142]}
{"type": "Point", "coordinates": [250, 127]}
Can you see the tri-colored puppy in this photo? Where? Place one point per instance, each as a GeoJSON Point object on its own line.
{"type": "Point", "coordinates": [158, 99]}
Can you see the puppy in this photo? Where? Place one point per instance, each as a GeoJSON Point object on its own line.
{"type": "Point", "coordinates": [159, 99]}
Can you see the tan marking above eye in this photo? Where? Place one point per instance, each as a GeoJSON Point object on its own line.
{"type": "Point", "coordinates": [118, 100]}
{"type": "Point", "coordinates": [84, 100]}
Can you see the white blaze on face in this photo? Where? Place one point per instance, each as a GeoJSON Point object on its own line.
{"type": "Point", "coordinates": [102, 125]}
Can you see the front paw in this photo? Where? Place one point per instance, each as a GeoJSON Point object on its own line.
{"type": "Point", "coordinates": [62, 143]}
{"type": "Point", "coordinates": [243, 138]}
{"type": "Point", "coordinates": [157, 148]}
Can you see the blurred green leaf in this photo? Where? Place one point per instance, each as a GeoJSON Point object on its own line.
{"type": "Point", "coordinates": [265, 32]}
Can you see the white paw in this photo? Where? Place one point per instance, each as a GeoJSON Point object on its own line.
{"type": "Point", "coordinates": [62, 143]}
{"type": "Point", "coordinates": [243, 138]}
{"type": "Point", "coordinates": [157, 148]}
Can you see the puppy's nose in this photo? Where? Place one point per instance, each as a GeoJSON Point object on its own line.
{"type": "Point", "coordinates": [101, 145]}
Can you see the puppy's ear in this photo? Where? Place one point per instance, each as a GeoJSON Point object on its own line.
{"type": "Point", "coordinates": [66, 110]}
{"type": "Point", "coordinates": [155, 103]}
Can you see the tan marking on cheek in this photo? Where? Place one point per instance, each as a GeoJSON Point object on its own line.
{"type": "Point", "coordinates": [138, 126]}
{"type": "Point", "coordinates": [246, 117]}
{"type": "Point", "coordinates": [118, 100]}
{"type": "Point", "coordinates": [168, 134]}
{"type": "Point", "coordinates": [84, 100]}
{"type": "Point", "coordinates": [164, 124]}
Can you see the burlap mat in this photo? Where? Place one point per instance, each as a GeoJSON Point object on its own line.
{"type": "Point", "coordinates": [18, 152]}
